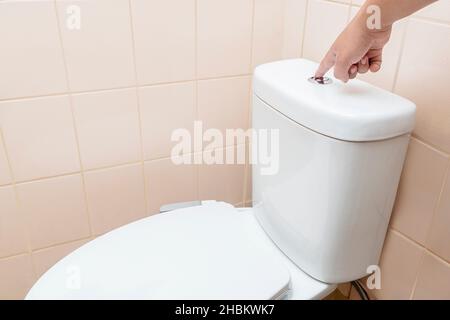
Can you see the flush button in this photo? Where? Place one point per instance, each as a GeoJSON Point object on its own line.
{"type": "Point", "coordinates": [320, 80]}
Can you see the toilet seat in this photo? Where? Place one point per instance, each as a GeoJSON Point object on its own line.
{"type": "Point", "coordinates": [212, 251]}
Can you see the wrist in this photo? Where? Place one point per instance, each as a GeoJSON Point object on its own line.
{"type": "Point", "coordinates": [370, 20]}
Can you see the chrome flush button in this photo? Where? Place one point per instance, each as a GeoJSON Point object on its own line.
{"type": "Point", "coordinates": [320, 80]}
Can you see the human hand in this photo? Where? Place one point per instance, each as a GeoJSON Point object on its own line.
{"type": "Point", "coordinates": [358, 49]}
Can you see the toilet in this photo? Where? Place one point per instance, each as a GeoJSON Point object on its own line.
{"type": "Point", "coordinates": [320, 220]}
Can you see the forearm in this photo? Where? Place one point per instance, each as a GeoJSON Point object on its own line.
{"type": "Point", "coordinates": [359, 48]}
{"type": "Point", "coordinates": [394, 10]}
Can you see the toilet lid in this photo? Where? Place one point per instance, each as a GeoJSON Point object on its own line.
{"type": "Point", "coordinates": [205, 252]}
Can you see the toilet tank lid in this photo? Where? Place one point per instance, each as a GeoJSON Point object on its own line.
{"type": "Point", "coordinates": [356, 111]}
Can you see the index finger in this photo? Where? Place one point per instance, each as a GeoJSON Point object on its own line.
{"type": "Point", "coordinates": [326, 64]}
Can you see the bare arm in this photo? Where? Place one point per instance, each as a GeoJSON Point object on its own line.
{"type": "Point", "coordinates": [359, 47]}
{"type": "Point", "coordinates": [394, 10]}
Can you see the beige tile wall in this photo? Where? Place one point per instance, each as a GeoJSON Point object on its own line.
{"type": "Point", "coordinates": [416, 259]}
{"type": "Point", "coordinates": [86, 117]}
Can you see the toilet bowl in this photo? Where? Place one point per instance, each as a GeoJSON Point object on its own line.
{"type": "Point", "coordinates": [318, 221]}
{"type": "Point", "coordinates": [212, 251]}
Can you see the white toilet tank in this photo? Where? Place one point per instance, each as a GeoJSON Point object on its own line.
{"type": "Point", "coordinates": [341, 152]}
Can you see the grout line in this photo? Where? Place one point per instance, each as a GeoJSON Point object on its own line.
{"type": "Point", "coordinates": [133, 43]}
{"type": "Point", "coordinates": [115, 166]}
{"type": "Point", "coordinates": [413, 290]}
{"type": "Point", "coordinates": [246, 174]}
{"type": "Point", "coordinates": [400, 55]}
{"type": "Point", "coordinates": [335, 1]}
{"type": "Point", "coordinates": [438, 201]}
{"type": "Point", "coordinates": [138, 86]}
{"type": "Point", "coordinates": [305, 21]}
{"type": "Point", "coordinates": [248, 165]}
{"type": "Point", "coordinates": [414, 242]}
{"type": "Point", "coordinates": [196, 116]}
{"type": "Point", "coordinates": [82, 172]}
{"type": "Point", "coordinates": [91, 237]}
{"type": "Point", "coordinates": [141, 139]}
{"type": "Point", "coordinates": [22, 254]}
{"type": "Point", "coordinates": [66, 174]}
{"type": "Point", "coordinates": [73, 173]}
{"type": "Point", "coordinates": [425, 249]}
{"type": "Point", "coordinates": [74, 124]}
{"type": "Point", "coordinates": [48, 95]}
{"type": "Point", "coordinates": [138, 102]}
{"type": "Point", "coordinates": [252, 36]}
{"type": "Point", "coordinates": [26, 227]}
{"type": "Point", "coordinates": [46, 248]}
{"type": "Point", "coordinates": [441, 192]}
{"type": "Point", "coordinates": [196, 40]}
{"type": "Point", "coordinates": [431, 20]}
{"type": "Point", "coordinates": [349, 13]}
{"type": "Point", "coordinates": [438, 257]}
{"type": "Point", "coordinates": [8, 160]}
{"type": "Point", "coordinates": [430, 145]}
{"type": "Point", "coordinates": [398, 232]}
{"type": "Point", "coordinates": [283, 31]}
{"type": "Point", "coordinates": [250, 100]}
{"type": "Point", "coordinates": [242, 75]}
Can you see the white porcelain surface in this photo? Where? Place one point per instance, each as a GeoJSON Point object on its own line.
{"type": "Point", "coordinates": [323, 216]}
{"type": "Point", "coordinates": [329, 205]}
{"type": "Point", "coordinates": [199, 260]}
{"type": "Point", "coordinates": [213, 251]}
{"type": "Point", "coordinates": [355, 111]}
